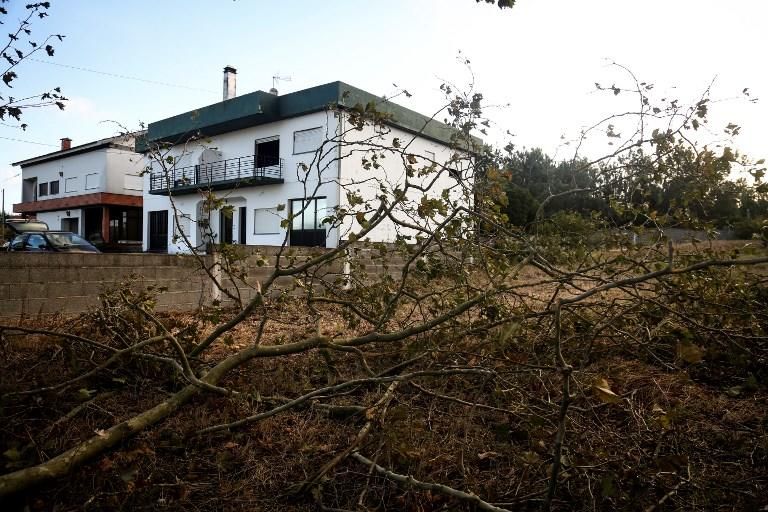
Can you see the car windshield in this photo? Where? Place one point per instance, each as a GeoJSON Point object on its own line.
{"type": "Point", "coordinates": [62, 240]}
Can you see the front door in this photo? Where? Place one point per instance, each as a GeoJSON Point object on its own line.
{"type": "Point", "coordinates": [225, 225]}
{"type": "Point", "coordinates": [158, 231]}
{"type": "Point", "coordinates": [72, 225]}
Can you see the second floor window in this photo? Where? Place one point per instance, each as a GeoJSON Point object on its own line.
{"type": "Point", "coordinates": [307, 141]}
{"type": "Point", "coordinates": [43, 191]}
{"type": "Point", "coordinates": [53, 187]}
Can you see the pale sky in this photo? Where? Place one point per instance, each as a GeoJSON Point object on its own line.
{"type": "Point", "coordinates": [537, 63]}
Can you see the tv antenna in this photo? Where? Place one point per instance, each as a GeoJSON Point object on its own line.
{"type": "Point", "coordinates": [277, 78]}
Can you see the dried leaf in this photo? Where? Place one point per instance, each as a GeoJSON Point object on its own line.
{"type": "Point", "coordinates": [603, 391]}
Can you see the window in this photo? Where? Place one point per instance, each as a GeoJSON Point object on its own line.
{"type": "Point", "coordinates": [267, 152]}
{"type": "Point", "coordinates": [307, 141]}
{"type": "Point", "coordinates": [181, 227]}
{"type": "Point", "coordinates": [125, 225]}
{"type": "Point", "coordinates": [307, 228]}
{"type": "Point", "coordinates": [37, 243]}
{"type": "Point", "coordinates": [132, 182]}
{"type": "Point", "coordinates": [266, 221]}
{"type": "Point", "coordinates": [53, 187]}
{"type": "Point", "coordinates": [91, 181]}
{"type": "Point", "coordinates": [70, 185]}
{"type": "Point", "coordinates": [43, 190]}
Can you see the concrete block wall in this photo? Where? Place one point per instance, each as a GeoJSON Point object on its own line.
{"type": "Point", "coordinates": [32, 284]}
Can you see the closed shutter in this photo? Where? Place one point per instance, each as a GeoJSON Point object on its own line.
{"type": "Point", "coordinates": [307, 141]}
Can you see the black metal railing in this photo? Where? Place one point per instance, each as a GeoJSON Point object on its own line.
{"type": "Point", "coordinates": [253, 169]}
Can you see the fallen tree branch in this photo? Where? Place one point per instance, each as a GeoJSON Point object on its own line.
{"type": "Point", "coordinates": [443, 489]}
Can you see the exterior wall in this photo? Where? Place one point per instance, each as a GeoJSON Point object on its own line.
{"type": "Point", "coordinates": [123, 172]}
{"type": "Point", "coordinates": [392, 173]}
{"type": "Point", "coordinates": [241, 143]}
{"type": "Point", "coordinates": [75, 167]}
{"type": "Point", "coordinates": [107, 170]}
{"type": "Point", "coordinates": [53, 219]}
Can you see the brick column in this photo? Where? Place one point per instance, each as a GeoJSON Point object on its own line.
{"type": "Point", "coordinates": [105, 223]}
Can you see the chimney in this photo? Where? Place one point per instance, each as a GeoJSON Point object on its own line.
{"type": "Point", "coordinates": [66, 143]}
{"type": "Point", "coordinates": [230, 80]}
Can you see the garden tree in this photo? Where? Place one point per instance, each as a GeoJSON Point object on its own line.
{"type": "Point", "coordinates": [542, 177]}
{"type": "Point", "coordinates": [520, 206]}
{"type": "Point", "coordinates": [21, 46]}
{"type": "Point", "coordinates": [467, 361]}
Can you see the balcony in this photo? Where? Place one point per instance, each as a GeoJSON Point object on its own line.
{"type": "Point", "coordinates": [245, 171]}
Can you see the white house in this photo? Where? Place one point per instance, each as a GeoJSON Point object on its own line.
{"type": "Point", "coordinates": [264, 156]}
{"type": "Point", "coordinates": [94, 190]}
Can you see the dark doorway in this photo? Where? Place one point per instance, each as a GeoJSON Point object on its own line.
{"type": "Point", "coordinates": [241, 225]}
{"type": "Point", "coordinates": [307, 225]}
{"type": "Point", "coordinates": [92, 218]}
{"type": "Point", "coordinates": [158, 231]}
{"type": "Point", "coordinates": [225, 225]}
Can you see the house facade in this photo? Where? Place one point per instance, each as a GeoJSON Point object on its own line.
{"type": "Point", "coordinates": [232, 172]}
{"type": "Point", "coordinates": [94, 190]}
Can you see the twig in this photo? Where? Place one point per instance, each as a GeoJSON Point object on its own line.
{"type": "Point", "coordinates": [382, 404]}
{"type": "Point", "coordinates": [565, 371]}
{"type": "Point", "coordinates": [462, 402]}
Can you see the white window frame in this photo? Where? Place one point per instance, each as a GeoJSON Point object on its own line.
{"type": "Point", "coordinates": [276, 230]}
{"type": "Point", "coordinates": [70, 188]}
{"type": "Point", "coordinates": [98, 181]}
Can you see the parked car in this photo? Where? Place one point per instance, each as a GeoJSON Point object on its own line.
{"type": "Point", "coordinates": [50, 241]}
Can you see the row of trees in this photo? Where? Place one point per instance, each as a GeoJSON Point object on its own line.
{"type": "Point", "coordinates": [688, 188]}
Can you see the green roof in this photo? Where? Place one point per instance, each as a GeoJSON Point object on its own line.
{"type": "Point", "coordinates": [261, 107]}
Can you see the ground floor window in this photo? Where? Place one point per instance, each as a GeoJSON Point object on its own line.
{"type": "Point", "coordinates": [125, 225]}
{"type": "Point", "coordinates": [307, 227]}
